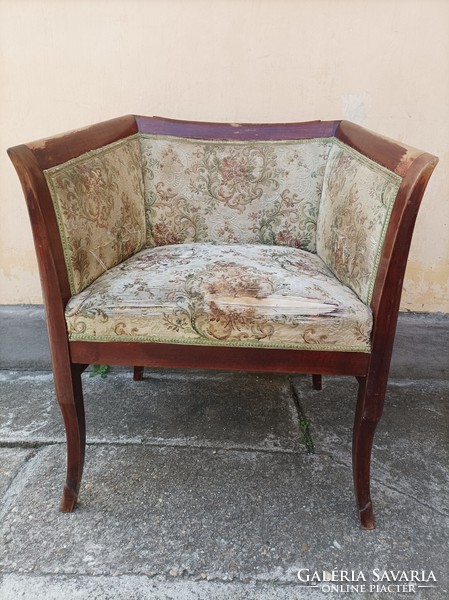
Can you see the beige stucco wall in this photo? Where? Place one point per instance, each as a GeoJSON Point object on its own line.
{"type": "Point", "coordinates": [383, 64]}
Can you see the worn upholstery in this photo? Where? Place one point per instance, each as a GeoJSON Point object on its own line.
{"type": "Point", "coordinates": [253, 243]}
{"type": "Point", "coordinates": [265, 192]}
{"type": "Point", "coordinates": [98, 200]}
{"type": "Point", "coordinates": [355, 207]}
{"type": "Point", "coordinates": [232, 295]}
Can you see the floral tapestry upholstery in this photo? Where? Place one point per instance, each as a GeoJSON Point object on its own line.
{"type": "Point", "coordinates": [222, 294]}
{"type": "Point", "coordinates": [357, 200]}
{"type": "Point", "coordinates": [222, 191]}
{"type": "Point", "coordinates": [98, 200]}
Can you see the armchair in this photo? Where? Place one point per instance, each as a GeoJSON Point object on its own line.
{"type": "Point", "coordinates": [205, 245]}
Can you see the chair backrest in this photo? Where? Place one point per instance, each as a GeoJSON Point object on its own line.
{"type": "Point", "coordinates": [233, 191]}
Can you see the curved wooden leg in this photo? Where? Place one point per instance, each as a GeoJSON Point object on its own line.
{"type": "Point", "coordinates": [316, 382]}
{"type": "Point", "coordinates": [361, 459]}
{"type": "Point", "coordinates": [369, 410]}
{"type": "Point", "coordinates": [70, 398]}
{"type": "Point", "coordinates": [138, 373]}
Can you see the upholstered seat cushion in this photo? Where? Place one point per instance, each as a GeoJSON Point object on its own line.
{"type": "Point", "coordinates": [231, 295]}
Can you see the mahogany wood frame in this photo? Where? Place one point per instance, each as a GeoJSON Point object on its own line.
{"type": "Point", "coordinates": [69, 359]}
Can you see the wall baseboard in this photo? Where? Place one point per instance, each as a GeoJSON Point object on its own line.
{"type": "Point", "coordinates": [421, 349]}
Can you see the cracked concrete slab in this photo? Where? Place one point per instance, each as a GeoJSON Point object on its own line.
{"type": "Point", "coordinates": [411, 446]}
{"type": "Point", "coordinates": [231, 515]}
{"type": "Point", "coordinates": [11, 460]}
{"type": "Point", "coordinates": [197, 485]}
{"type": "Point", "coordinates": [135, 587]}
{"type": "Point", "coordinates": [29, 413]}
{"type": "Point", "coordinates": [185, 407]}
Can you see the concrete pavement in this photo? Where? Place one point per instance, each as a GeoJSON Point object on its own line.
{"type": "Point", "coordinates": [198, 485]}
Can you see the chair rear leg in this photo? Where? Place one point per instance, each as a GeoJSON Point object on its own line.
{"type": "Point", "coordinates": [316, 382]}
{"type": "Point", "coordinates": [70, 398]}
{"type": "Point", "coordinates": [368, 412]}
{"type": "Point", "coordinates": [138, 373]}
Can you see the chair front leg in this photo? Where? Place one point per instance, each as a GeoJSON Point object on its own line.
{"type": "Point", "coordinates": [69, 393]}
{"type": "Point", "coordinates": [368, 412]}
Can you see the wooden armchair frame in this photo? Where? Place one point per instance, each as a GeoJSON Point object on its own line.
{"type": "Point", "coordinates": [70, 358]}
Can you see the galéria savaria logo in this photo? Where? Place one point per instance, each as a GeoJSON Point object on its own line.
{"type": "Point", "coordinates": [380, 581]}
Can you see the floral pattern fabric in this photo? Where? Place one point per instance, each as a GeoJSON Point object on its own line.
{"type": "Point", "coordinates": [232, 295]}
{"type": "Point", "coordinates": [263, 192]}
{"type": "Point", "coordinates": [98, 200]}
{"type": "Point", "coordinates": [358, 196]}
